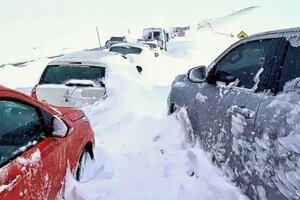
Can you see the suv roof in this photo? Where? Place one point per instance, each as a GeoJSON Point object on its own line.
{"type": "Point", "coordinates": [95, 58]}
{"type": "Point", "coordinates": [281, 32]}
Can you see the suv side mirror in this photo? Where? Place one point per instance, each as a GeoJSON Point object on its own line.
{"type": "Point", "coordinates": [60, 129]}
{"type": "Point", "coordinates": [197, 74]}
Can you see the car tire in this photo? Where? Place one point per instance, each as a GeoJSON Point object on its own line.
{"type": "Point", "coordinates": [107, 45]}
{"type": "Point", "coordinates": [82, 164]}
{"type": "Point", "coordinates": [173, 108]}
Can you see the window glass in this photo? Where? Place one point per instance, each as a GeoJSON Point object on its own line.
{"type": "Point", "coordinates": [249, 63]}
{"type": "Point", "coordinates": [126, 50]}
{"type": "Point", "coordinates": [20, 126]}
{"type": "Point", "coordinates": [156, 34]}
{"type": "Point", "coordinates": [291, 66]}
{"type": "Point", "coordinates": [117, 39]}
{"type": "Point", "coordinates": [147, 34]}
{"type": "Point", "coordinates": [60, 74]}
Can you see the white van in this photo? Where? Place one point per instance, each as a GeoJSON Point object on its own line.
{"type": "Point", "coordinates": [158, 34]}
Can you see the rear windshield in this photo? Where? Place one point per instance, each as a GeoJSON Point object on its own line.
{"type": "Point", "coordinates": [126, 50]}
{"type": "Point", "coordinates": [60, 74]}
{"type": "Point", "coordinates": [116, 38]}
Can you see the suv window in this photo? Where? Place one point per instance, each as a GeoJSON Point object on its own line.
{"type": "Point", "coordinates": [249, 63]}
{"type": "Point", "coordinates": [290, 67]}
{"type": "Point", "coordinates": [20, 125]}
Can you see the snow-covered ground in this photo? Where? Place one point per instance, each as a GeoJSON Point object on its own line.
{"type": "Point", "coordinates": [141, 153]}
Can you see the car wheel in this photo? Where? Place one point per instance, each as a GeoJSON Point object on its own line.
{"type": "Point", "coordinates": [81, 167]}
{"type": "Point", "coordinates": [106, 44]}
{"type": "Point", "coordinates": [173, 108]}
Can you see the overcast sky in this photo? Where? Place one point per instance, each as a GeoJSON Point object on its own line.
{"type": "Point", "coordinates": [28, 23]}
{"type": "Point", "coordinates": [138, 9]}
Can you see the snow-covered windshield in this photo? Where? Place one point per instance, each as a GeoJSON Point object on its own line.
{"type": "Point", "coordinates": [60, 74]}
{"type": "Point", "coordinates": [126, 50]}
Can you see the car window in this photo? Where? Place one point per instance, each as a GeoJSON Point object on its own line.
{"type": "Point", "coordinates": [147, 34]}
{"type": "Point", "coordinates": [156, 34]}
{"type": "Point", "coordinates": [290, 67]}
{"type": "Point", "coordinates": [249, 63]}
{"type": "Point", "coordinates": [126, 50]}
{"type": "Point", "coordinates": [117, 39]}
{"type": "Point", "coordinates": [20, 127]}
{"type": "Point", "coordinates": [60, 74]}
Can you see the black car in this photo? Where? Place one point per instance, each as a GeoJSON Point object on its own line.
{"type": "Point", "coordinates": [244, 109]}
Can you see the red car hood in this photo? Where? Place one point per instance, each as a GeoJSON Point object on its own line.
{"type": "Point", "coordinates": [71, 113]}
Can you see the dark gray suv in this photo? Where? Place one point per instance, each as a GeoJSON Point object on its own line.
{"type": "Point", "coordinates": [244, 109]}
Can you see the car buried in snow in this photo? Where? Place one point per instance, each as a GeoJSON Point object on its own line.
{"type": "Point", "coordinates": [76, 79]}
{"type": "Point", "coordinates": [39, 145]}
{"type": "Point", "coordinates": [152, 45]}
{"type": "Point", "coordinates": [133, 49]}
{"type": "Point", "coordinates": [244, 110]}
{"type": "Point", "coordinates": [115, 40]}
{"type": "Point", "coordinates": [136, 53]}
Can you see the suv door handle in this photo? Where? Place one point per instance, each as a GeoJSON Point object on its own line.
{"type": "Point", "coordinates": [245, 112]}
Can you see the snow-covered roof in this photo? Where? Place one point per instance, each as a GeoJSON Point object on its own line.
{"type": "Point", "coordinates": [95, 58]}
{"type": "Point", "coordinates": [276, 32]}
{"type": "Point", "coordinates": [138, 45]}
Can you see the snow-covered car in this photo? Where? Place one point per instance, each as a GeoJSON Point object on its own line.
{"type": "Point", "coordinates": [114, 40]}
{"type": "Point", "coordinates": [153, 46]}
{"type": "Point", "coordinates": [244, 109]}
{"type": "Point", "coordinates": [158, 34]}
{"type": "Point", "coordinates": [132, 50]}
{"type": "Point", "coordinates": [39, 145]}
{"type": "Point", "coordinates": [76, 79]}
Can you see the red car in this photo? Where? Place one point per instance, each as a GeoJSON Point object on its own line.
{"type": "Point", "coordinates": [39, 144]}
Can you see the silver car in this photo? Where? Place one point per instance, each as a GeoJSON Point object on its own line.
{"type": "Point", "coordinates": [244, 109]}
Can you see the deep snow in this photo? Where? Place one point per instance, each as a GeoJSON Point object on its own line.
{"type": "Point", "coordinates": [141, 153]}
